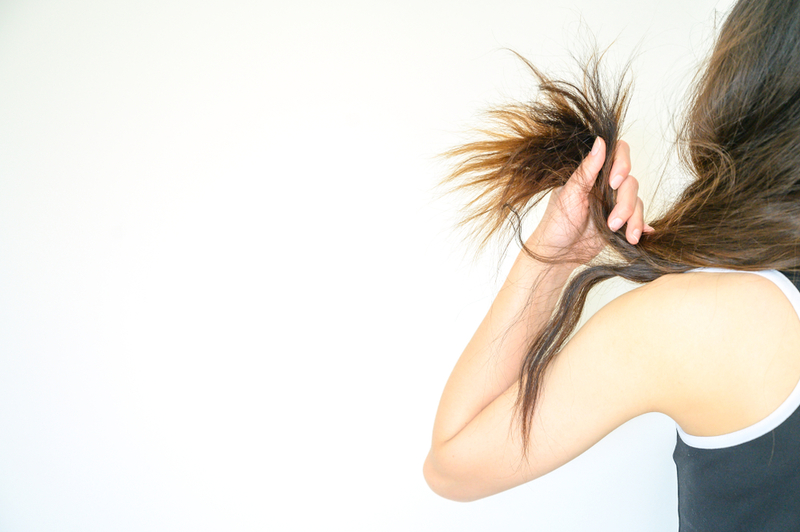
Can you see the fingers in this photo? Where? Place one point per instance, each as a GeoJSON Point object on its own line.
{"type": "Point", "coordinates": [628, 210]}
{"type": "Point", "coordinates": [586, 174]}
{"type": "Point", "coordinates": [621, 166]}
{"type": "Point", "coordinates": [635, 223]}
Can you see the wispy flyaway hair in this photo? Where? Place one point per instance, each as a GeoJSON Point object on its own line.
{"type": "Point", "coordinates": [739, 141]}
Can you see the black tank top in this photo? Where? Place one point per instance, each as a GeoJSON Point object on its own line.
{"type": "Point", "coordinates": [748, 480]}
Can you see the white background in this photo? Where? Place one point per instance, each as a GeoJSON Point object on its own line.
{"type": "Point", "coordinates": [229, 295]}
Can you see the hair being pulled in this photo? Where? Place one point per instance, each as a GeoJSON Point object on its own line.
{"type": "Point", "coordinates": [739, 141]}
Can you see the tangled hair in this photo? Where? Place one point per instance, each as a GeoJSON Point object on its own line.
{"type": "Point", "coordinates": [739, 141]}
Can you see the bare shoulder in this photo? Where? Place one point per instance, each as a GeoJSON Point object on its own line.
{"type": "Point", "coordinates": [699, 292]}
{"type": "Point", "coordinates": [711, 304]}
{"type": "Point", "coordinates": [713, 310]}
{"type": "Point", "coordinates": [722, 348]}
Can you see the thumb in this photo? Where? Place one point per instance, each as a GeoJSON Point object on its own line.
{"type": "Point", "coordinates": [586, 174]}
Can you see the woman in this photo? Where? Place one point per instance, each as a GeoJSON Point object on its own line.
{"type": "Point", "coordinates": [711, 338]}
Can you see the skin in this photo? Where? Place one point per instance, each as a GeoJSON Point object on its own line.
{"type": "Point", "coordinates": [717, 352]}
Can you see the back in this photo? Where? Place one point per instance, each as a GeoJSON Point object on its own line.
{"type": "Point", "coordinates": [749, 479]}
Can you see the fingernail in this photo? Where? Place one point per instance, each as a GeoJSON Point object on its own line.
{"type": "Point", "coordinates": [596, 146]}
{"type": "Point", "coordinates": [615, 181]}
{"type": "Point", "coordinates": [636, 235]}
{"type": "Point", "coordinates": [615, 224]}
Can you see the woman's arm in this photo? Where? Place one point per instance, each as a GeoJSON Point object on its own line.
{"type": "Point", "coordinates": [485, 377]}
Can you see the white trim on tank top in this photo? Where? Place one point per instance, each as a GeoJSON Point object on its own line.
{"type": "Point", "coordinates": [780, 414]}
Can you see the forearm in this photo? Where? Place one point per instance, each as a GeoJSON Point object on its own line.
{"type": "Point", "coordinates": [491, 362]}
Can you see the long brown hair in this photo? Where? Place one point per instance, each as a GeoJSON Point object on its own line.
{"type": "Point", "coordinates": [739, 141]}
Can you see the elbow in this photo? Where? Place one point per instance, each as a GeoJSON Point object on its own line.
{"type": "Point", "coordinates": [446, 485]}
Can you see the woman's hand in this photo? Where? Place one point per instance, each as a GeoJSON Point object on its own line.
{"type": "Point", "coordinates": [566, 226]}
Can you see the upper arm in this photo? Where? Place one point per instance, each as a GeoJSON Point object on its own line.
{"type": "Point", "coordinates": [714, 351]}
{"type": "Point", "coordinates": [607, 374]}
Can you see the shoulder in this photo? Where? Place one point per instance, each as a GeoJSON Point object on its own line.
{"type": "Point", "coordinates": [696, 336]}
{"type": "Point", "coordinates": [699, 292]}
{"type": "Point", "coordinates": [695, 301]}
